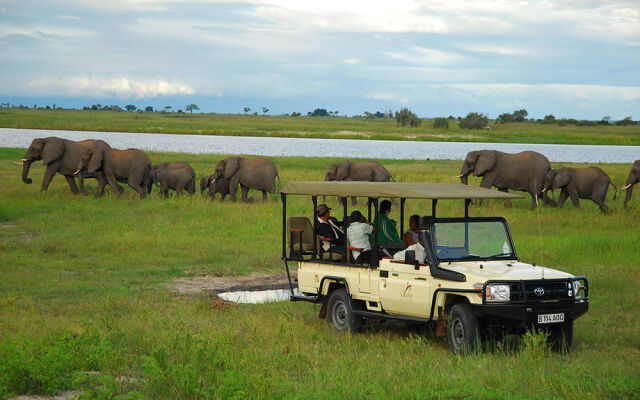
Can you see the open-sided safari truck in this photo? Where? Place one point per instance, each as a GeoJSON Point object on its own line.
{"type": "Point", "coordinates": [471, 282]}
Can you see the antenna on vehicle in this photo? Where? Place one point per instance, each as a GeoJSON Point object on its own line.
{"type": "Point", "coordinates": [539, 225]}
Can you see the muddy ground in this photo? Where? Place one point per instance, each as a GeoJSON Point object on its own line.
{"type": "Point", "coordinates": [208, 284]}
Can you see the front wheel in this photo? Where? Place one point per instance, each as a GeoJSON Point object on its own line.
{"type": "Point", "coordinates": [340, 314]}
{"type": "Point", "coordinates": [463, 331]}
{"type": "Point", "coordinates": [560, 336]}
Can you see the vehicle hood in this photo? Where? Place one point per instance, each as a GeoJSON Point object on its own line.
{"type": "Point", "coordinates": [508, 270]}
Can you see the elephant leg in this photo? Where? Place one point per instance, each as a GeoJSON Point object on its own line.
{"type": "Point", "coordinates": [264, 196]}
{"type": "Point", "coordinates": [102, 183]}
{"type": "Point", "coordinates": [627, 197]}
{"type": "Point", "coordinates": [563, 197]}
{"type": "Point", "coordinates": [233, 187]}
{"type": "Point", "coordinates": [599, 196]}
{"type": "Point", "coordinates": [245, 192]}
{"type": "Point", "coordinates": [72, 184]}
{"type": "Point", "coordinates": [507, 202]}
{"type": "Point", "coordinates": [574, 198]}
{"type": "Point", "coordinates": [83, 190]}
{"type": "Point", "coordinates": [138, 188]}
{"type": "Point", "coordinates": [48, 176]}
{"type": "Point", "coordinates": [546, 200]}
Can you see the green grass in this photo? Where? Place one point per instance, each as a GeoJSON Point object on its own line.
{"type": "Point", "coordinates": [330, 127]}
{"type": "Point", "coordinates": [84, 303]}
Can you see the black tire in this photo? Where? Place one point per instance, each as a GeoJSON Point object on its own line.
{"type": "Point", "coordinates": [560, 337]}
{"type": "Point", "coordinates": [340, 314]}
{"type": "Point", "coordinates": [463, 330]}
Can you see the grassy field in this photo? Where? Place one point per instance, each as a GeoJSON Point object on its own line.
{"type": "Point", "coordinates": [84, 303]}
{"type": "Point", "coordinates": [330, 127]}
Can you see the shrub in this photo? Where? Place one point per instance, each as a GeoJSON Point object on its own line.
{"type": "Point", "coordinates": [441, 123]}
{"type": "Point", "coordinates": [474, 121]}
{"type": "Point", "coordinates": [627, 121]}
{"type": "Point", "coordinates": [406, 117]}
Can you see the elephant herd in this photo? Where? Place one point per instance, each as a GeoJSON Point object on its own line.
{"type": "Point", "coordinates": [527, 171]}
{"type": "Point", "coordinates": [96, 159]}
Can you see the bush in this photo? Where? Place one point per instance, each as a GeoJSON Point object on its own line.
{"type": "Point", "coordinates": [319, 112]}
{"type": "Point", "coordinates": [627, 121]}
{"type": "Point", "coordinates": [405, 117]}
{"type": "Point", "coordinates": [474, 121]}
{"type": "Point", "coordinates": [441, 123]}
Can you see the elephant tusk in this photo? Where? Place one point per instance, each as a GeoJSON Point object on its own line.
{"type": "Point", "coordinates": [25, 159]}
{"type": "Point", "coordinates": [77, 172]}
{"type": "Point", "coordinates": [626, 187]}
{"type": "Point", "coordinates": [544, 190]}
{"type": "Point", "coordinates": [460, 176]}
{"type": "Point", "coordinates": [213, 181]}
{"type": "Point", "coordinates": [18, 163]}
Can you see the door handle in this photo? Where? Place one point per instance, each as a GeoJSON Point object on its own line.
{"type": "Point", "coordinates": [421, 279]}
{"type": "Point", "coordinates": [394, 274]}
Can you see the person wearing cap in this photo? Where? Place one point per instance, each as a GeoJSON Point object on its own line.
{"type": "Point", "coordinates": [331, 228]}
{"type": "Point", "coordinates": [358, 233]}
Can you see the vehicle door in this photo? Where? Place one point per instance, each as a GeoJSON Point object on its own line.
{"type": "Point", "coordinates": [405, 290]}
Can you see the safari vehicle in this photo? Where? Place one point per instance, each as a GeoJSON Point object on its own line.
{"type": "Point", "coordinates": [471, 284]}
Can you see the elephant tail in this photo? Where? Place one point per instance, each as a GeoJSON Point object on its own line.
{"type": "Point", "coordinates": [615, 193]}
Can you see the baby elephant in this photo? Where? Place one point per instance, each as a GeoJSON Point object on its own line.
{"type": "Point", "coordinates": [220, 185]}
{"type": "Point", "coordinates": [177, 176]}
{"type": "Point", "coordinates": [585, 183]}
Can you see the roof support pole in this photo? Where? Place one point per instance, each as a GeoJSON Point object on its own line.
{"type": "Point", "coordinates": [433, 207]}
{"type": "Point", "coordinates": [466, 207]}
{"type": "Point", "coordinates": [374, 260]}
{"type": "Point", "coordinates": [402, 201]}
{"type": "Point", "coordinates": [315, 227]}
{"type": "Point", "coordinates": [284, 225]}
{"type": "Point", "coordinates": [344, 227]}
{"type": "Point", "coordinates": [369, 201]}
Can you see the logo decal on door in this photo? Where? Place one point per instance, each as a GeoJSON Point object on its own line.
{"type": "Point", "coordinates": [407, 291]}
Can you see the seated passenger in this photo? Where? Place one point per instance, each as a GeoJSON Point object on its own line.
{"type": "Point", "coordinates": [329, 227]}
{"type": "Point", "coordinates": [358, 233]}
{"type": "Point", "coordinates": [387, 232]}
{"type": "Point", "coordinates": [412, 235]}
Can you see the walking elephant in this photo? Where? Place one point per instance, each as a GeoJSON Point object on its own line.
{"type": "Point", "coordinates": [632, 179]}
{"type": "Point", "coordinates": [130, 166]}
{"type": "Point", "coordinates": [249, 173]}
{"type": "Point", "coordinates": [61, 156]}
{"type": "Point", "coordinates": [368, 171]}
{"type": "Point", "coordinates": [524, 171]}
{"type": "Point", "coordinates": [177, 176]}
{"type": "Point", "coordinates": [584, 183]}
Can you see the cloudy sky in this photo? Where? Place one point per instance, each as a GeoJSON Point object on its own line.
{"type": "Point", "coordinates": [576, 59]}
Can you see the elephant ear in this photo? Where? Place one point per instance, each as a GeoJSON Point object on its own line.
{"type": "Point", "coordinates": [231, 166]}
{"type": "Point", "coordinates": [95, 159]}
{"type": "Point", "coordinates": [561, 178]}
{"type": "Point", "coordinates": [53, 150]}
{"type": "Point", "coordinates": [343, 170]}
{"type": "Point", "coordinates": [486, 161]}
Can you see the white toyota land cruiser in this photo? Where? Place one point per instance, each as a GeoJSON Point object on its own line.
{"type": "Point", "coordinates": [471, 282]}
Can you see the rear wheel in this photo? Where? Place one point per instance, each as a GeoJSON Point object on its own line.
{"type": "Point", "coordinates": [561, 336]}
{"type": "Point", "coordinates": [340, 315]}
{"type": "Point", "coordinates": [463, 332]}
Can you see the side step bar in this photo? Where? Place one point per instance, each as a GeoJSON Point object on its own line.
{"type": "Point", "coordinates": [387, 316]}
{"type": "Point", "coordinates": [311, 299]}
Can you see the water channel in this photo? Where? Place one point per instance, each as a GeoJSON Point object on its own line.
{"type": "Point", "coordinates": [339, 148]}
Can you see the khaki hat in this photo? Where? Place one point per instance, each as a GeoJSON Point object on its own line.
{"type": "Point", "coordinates": [321, 209]}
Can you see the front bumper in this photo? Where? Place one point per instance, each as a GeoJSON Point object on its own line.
{"type": "Point", "coordinates": [527, 314]}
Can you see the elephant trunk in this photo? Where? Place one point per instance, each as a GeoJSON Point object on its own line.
{"type": "Point", "coordinates": [464, 178]}
{"type": "Point", "coordinates": [26, 164]}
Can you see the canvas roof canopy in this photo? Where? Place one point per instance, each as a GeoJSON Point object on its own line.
{"type": "Point", "coordinates": [422, 190]}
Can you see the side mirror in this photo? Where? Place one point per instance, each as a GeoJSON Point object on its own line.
{"type": "Point", "coordinates": [410, 258]}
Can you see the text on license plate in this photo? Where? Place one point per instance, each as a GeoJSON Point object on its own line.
{"type": "Point", "coordinates": [550, 318]}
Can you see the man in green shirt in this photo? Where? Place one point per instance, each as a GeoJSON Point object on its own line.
{"type": "Point", "coordinates": [388, 235]}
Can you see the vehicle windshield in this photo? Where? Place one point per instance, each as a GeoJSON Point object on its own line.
{"type": "Point", "coordinates": [471, 240]}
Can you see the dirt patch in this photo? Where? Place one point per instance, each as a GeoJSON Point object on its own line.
{"type": "Point", "coordinates": [209, 284]}
{"type": "Point", "coordinates": [71, 394]}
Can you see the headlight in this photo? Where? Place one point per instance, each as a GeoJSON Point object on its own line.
{"type": "Point", "coordinates": [495, 292]}
{"type": "Point", "coordinates": [577, 289]}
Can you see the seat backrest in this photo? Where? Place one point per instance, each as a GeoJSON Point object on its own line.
{"type": "Point", "coordinates": [300, 223]}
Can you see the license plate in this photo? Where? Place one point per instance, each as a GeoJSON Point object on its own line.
{"type": "Point", "coordinates": [550, 318]}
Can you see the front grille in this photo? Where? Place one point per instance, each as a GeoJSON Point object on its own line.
{"type": "Point", "coordinates": [539, 291]}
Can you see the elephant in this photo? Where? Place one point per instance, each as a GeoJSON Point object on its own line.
{"type": "Point", "coordinates": [177, 176]}
{"type": "Point", "coordinates": [523, 171]}
{"type": "Point", "coordinates": [632, 179]}
{"type": "Point", "coordinates": [61, 156]}
{"type": "Point", "coordinates": [584, 183]}
{"type": "Point", "coordinates": [130, 166]}
{"type": "Point", "coordinates": [368, 171]}
{"type": "Point", "coordinates": [220, 185]}
{"type": "Point", "coordinates": [250, 173]}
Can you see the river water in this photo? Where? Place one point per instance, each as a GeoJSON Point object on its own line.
{"type": "Point", "coordinates": [339, 148]}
